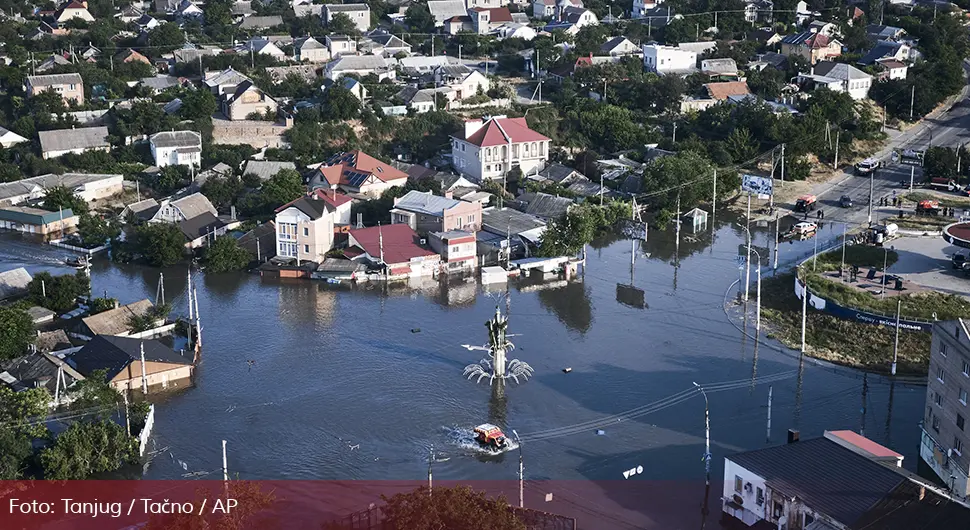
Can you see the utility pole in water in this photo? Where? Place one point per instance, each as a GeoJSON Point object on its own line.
{"type": "Point", "coordinates": [899, 307]}
{"type": "Point", "coordinates": [768, 434]}
{"type": "Point", "coordinates": [707, 433]}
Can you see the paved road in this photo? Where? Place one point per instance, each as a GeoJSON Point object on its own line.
{"type": "Point", "coordinates": [948, 127]}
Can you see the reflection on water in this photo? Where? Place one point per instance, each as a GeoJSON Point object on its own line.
{"type": "Point", "coordinates": [570, 304]}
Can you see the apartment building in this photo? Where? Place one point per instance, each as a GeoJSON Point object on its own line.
{"type": "Point", "coordinates": [945, 444]}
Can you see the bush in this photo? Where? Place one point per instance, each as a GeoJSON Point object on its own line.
{"type": "Point", "coordinates": [225, 255]}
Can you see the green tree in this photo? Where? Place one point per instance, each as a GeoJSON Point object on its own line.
{"type": "Point", "coordinates": [150, 319]}
{"type": "Point", "coordinates": [222, 191]}
{"type": "Point", "coordinates": [198, 104]}
{"type": "Point", "coordinates": [88, 448]}
{"type": "Point", "coordinates": [100, 305]}
{"type": "Point", "coordinates": [283, 187]}
{"type": "Point", "coordinates": [16, 332]}
{"type": "Point", "coordinates": [14, 451]}
{"type": "Point", "coordinates": [340, 104]}
{"type": "Point", "coordinates": [96, 231]}
{"type": "Point", "coordinates": [18, 427]}
{"type": "Point", "coordinates": [166, 37]}
{"type": "Point", "coordinates": [458, 507]}
{"type": "Point", "coordinates": [418, 18]}
{"type": "Point", "coordinates": [171, 179]}
{"type": "Point", "coordinates": [95, 392]}
{"type": "Point", "coordinates": [161, 244]}
{"type": "Point", "coordinates": [60, 197]}
{"type": "Point", "coordinates": [341, 24]}
{"type": "Point", "coordinates": [58, 293]}
{"type": "Point", "coordinates": [225, 255]}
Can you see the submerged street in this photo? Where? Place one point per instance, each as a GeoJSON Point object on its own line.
{"type": "Point", "coordinates": [363, 383]}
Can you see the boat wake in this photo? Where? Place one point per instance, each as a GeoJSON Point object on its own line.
{"type": "Point", "coordinates": [464, 439]}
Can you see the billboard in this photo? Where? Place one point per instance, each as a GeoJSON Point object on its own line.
{"type": "Point", "coordinates": [757, 185]}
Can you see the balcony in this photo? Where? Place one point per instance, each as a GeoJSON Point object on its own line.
{"type": "Point", "coordinates": [946, 466]}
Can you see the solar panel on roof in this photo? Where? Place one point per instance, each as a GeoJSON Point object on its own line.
{"type": "Point", "coordinates": [355, 178]}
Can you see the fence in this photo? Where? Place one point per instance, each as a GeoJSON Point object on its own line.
{"type": "Point", "coordinates": [146, 431]}
{"type": "Point", "coordinates": [81, 250]}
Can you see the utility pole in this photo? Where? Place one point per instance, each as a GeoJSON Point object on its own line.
{"type": "Point", "coordinates": [188, 290]}
{"type": "Point", "coordinates": [127, 416]}
{"type": "Point", "coordinates": [674, 139]}
{"type": "Point", "coordinates": [912, 177]}
{"type": "Point", "coordinates": [160, 295]}
{"type": "Point", "coordinates": [758, 306]}
{"type": "Point", "coordinates": [768, 434]}
{"type": "Point", "coordinates": [521, 471]}
{"type": "Point", "coordinates": [144, 377]}
{"type": "Point", "coordinates": [747, 260]}
{"type": "Point", "coordinates": [430, 460]}
{"type": "Point", "coordinates": [804, 312]}
{"type": "Point", "coordinates": [459, 53]}
{"type": "Point", "coordinates": [225, 466]}
{"type": "Point", "coordinates": [601, 189]}
{"type": "Point", "coordinates": [777, 236]}
{"type": "Point", "coordinates": [43, 289]}
{"type": "Point", "coordinates": [912, 101]}
{"type": "Point", "coordinates": [865, 394]}
{"type": "Point", "coordinates": [845, 228]}
{"type": "Point", "coordinates": [871, 175]}
{"type": "Point", "coordinates": [837, 135]}
{"type": "Point", "coordinates": [707, 433]}
{"type": "Point", "coordinates": [899, 307]}
{"type": "Point", "coordinates": [782, 164]}
{"type": "Point", "coordinates": [714, 199]}
{"type": "Point", "coordinates": [198, 323]}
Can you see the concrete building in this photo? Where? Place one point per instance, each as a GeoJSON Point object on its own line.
{"type": "Point", "coordinates": [69, 86]}
{"type": "Point", "coordinates": [88, 186]}
{"type": "Point", "coordinates": [121, 358]}
{"type": "Point", "coordinates": [225, 81]}
{"type": "Point", "coordinates": [305, 228]}
{"type": "Point", "coordinates": [37, 221]}
{"type": "Point", "coordinates": [830, 482]}
{"type": "Point", "coordinates": [72, 10]}
{"type": "Point", "coordinates": [457, 248]}
{"type": "Point", "coordinates": [642, 7]}
{"type": "Point", "coordinates": [813, 47]}
{"type": "Point", "coordinates": [339, 45]}
{"type": "Point", "coordinates": [9, 138]}
{"type": "Point", "coordinates": [548, 8]}
{"type": "Point", "coordinates": [359, 14]}
{"type": "Point", "coordinates": [487, 20]}
{"type": "Point", "coordinates": [311, 50]}
{"type": "Point", "coordinates": [360, 65]}
{"type": "Point", "coordinates": [944, 437]}
{"type": "Point", "coordinates": [662, 59]}
{"type": "Point", "coordinates": [839, 77]}
{"type": "Point", "coordinates": [176, 148]}
{"type": "Point", "coordinates": [425, 212]}
{"type": "Point", "coordinates": [60, 142]}
{"type": "Point", "coordinates": [183, 209]}
{"type": "Point", "coordinates": [490, 148]}
{"type": "Point", "coordinates": [247, 99]}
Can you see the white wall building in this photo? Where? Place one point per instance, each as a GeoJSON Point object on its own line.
{"type": "Point", "coordinates": [668, 59]}
{"type": "Point", "coordinates": [490, 148]}
{"type": "Point", "coordinates": [359, 14]}
{"type": "Point", "coordinates": [177, 148]}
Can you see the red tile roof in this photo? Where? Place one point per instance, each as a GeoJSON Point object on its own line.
{"type": "Point", "coordinates": [490, 134]}
{"type": "Point", "coordinates": [333, 198]}
{"type": "Point", "coordinates": [400, 243]}
{"type": "Point", "coordinates": [74, 5]}
{"type": "Point", "coordinates": [496, 14]}
{"type": "Point", "coordinates": [721, 91]}
{"type": "Point", "coordinates": [818, 41]}
{"type": "Point", "coordinates": [339, 168]}
{"type": "Point", "coordinates": [866, 444]}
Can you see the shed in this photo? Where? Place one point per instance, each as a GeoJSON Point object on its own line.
{"type": "Point", "coordinates": [494, 275]}
{"type": "Point", "coordinates": [697, 218]}
{"type": "Point", "coordinates": [41, 315]}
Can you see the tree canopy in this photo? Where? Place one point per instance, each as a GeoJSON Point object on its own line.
{"type": "Point", "coordinates": [58, 293]}
{"type": "Point", "coordinates": [59, 197]}
{"type": "Point", "coordinates": [161, 244]}
{"type": "Point", "coordinates": [86, 448]}
{"type": "Point", "coordinates": [16, 332]}
{"type": "Point", "coordinates": [225, 255]}
{"type": "Point", "coordinates": [458, 507]}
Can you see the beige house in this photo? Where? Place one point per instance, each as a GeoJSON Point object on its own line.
{"type": "Point", "coordinates": [305, 228]}
{"type": "Point", "coordinates": [814, 47]}
{"type": "Point", "coordinates": [73, 10]}
{"type": "Point", "coordinates": [310, 50]}
{"type": "Point", "coordinates": [37, 221]}
{"type": "Point", "coordinates": [425, 212]}
{"type": "Point", "coordinates": [69, 86]}
{"type": "Point", "coordinates": [490, 148]}
{"type": "Point", "coordinates": [134, 364]}
{"type": "Point", "coordinates": [247, 99]}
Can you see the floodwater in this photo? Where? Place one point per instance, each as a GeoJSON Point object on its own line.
{"type": "Point", "coordinates": [364, 383]}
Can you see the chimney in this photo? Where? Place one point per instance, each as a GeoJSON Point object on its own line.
{"type": "Point", "coordinates": [792, 436]}
{"type": "Point", "coordinates": [449, 194]}
{"type": "Point", "coordinates": [116, 304]}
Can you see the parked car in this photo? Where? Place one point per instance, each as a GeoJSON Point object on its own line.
{"type": "Point", "coordinates": [867, 166]}
{"type": "Point", "coordinates": [959, 260]}
{"type": "Point", "coordinates": [845, 201]}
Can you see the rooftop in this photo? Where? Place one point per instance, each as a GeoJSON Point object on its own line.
{"type": "Point", "coordinates": [400, 243]}
{"type": "Point", "coordinates": [113, 354]}
{"type": "Point", "coordinates": [177, 139]}
{"type": "Point", "coordinates": [71, 139]}
{"type": "Point", "coordinates": [266, 169]}
{"type": "Point", "coordinates": [425, 203]}
{"type": "Point", "coordinates": [14, 282]}
{"type": "Point", "coordinates": [499, 131]}
{"type": "Point", "coordinates": [54, 79]}
{"type": "Point", "coordinates": [342, 8]}
{"type": "Point", "coordinates": [115, 321]}
{"type": "Point", "coordinates": [507, 220]}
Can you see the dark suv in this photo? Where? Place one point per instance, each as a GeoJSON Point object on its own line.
{"type": "Point", "coordinates": [845, 201]}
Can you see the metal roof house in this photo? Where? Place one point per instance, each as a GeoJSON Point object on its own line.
{"type": "Point", "coordinates": [425, 212]}
{"type": "Point", "coordinates": [176, 148]}
{"type": "Point", "coordinates": [63, 141]}
{"type": "Point", "coordinates": [133, 364]}
{"type": "Point", "coordinates": [88, 186]}
{"type": "Point", "coordinates": [14, 283]}
{"type": "Point", "coordinates": [111, 322]}
{"type": "Point", "coordinates": [37, 221]}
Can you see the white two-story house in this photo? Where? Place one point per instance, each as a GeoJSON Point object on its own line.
{"type": "Point", "coordinates": [668, 59]}
{"type": "Point", "coordinates": [305, 227]}
{"type": "Point", "coordinates": [176, 148]}
{"type": "Point", "coordinates": [489, 148]}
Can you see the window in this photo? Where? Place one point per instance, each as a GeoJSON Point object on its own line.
{"type": "Point", "coordinates": [963, 396]}
{"type": "Point", "coordinates": [936, 424]}
{"type": "Point", "coordinates": [459, 222]}
{"type": "Point", "coordinates": [488, 168]}
{"type": "Point", "coordinates": [808, 520]}
{"type": "Point", "coordinates": [958, 445]}
{"type": "Point", "coordinates": [306, 249]}
{"type": "Point", "coordinates": [966, 368]}
{"type": "Point", "coordinates": [960, 422]}
{"type": "Point", "coordinates": [779, 510]}
{"type": "Point", "coordinates": [738, 484]}
{"type": "Point", "coordinates": [943, 350]}
{"type": "Point", "coordinates": [938, 399]}
{"type": "Point", "coordinates": [760, 499]}
{"type": "Point", "coordinates": [941, 375]}
{"type": "Point", "coordinates": [306, 231]}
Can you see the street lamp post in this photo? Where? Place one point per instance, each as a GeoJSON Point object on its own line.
{"type": "Point", "coordinates": [747, 260]}
{"type": "Point", "coordinates": [707, 433]}
{"type": "Point", "coordinates": [521, 471]}
{"type": "Point", "coordinates": [757, 311]}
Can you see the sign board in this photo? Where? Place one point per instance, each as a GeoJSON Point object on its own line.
{"type": "Point", "coordinates": [761, 186]}
{"type": "Point", "coordinates": [865, 317]}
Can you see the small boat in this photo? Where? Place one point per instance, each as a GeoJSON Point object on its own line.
{"type": "Point", "coordinates": [78, 262]}
{"type": "Point", "coordinates": [490, 436]}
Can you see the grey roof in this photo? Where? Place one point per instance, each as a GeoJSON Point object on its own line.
{"type": "Point", "coordinates": [14, 282]}
{"type": "Point", "coordinates": [68, 180]}
{"type": "Point", "coordinates": [193, 205]}
{"type": "Point", "coordinates": [261, 22]}
{"type": "Point", "coordinates": [340, 265]}
{"type": "Point", "coordinates": [459, 71]}
{"type": "Point", "coordinates": [312, 206]}
{"type": "Point", "coordinates": [305, 72]}
{"type": "Point", "coordinates": [113, 354]}
{"type": "Point", "coordinates": [558, 172]}
{"type": "Point", "coordinates": [242, 8]}
{"type": "Point", "coordinates": [308, 43]}
{"type": "Point", "coordinates": [797, 38]}
{"type": "Point", "coordinates": [143, 209]}
{"type": "Point", "coordinates": [32, 370]}
{"type": "Point", "coordinates": [882, 49]}
{"type": "Point", "coordinates": [362, 62]}
{"type": "Point", "coordinates": [609, 45]}
{"type": "Point", "coordinates": [55, 340]}
{"type": "Point", "coordinates": [546, 206]}
{"type": "Point", "coordinates": [115, 321]}
{"type": "Point", "coordinates": [70, 139]}
{"type": "Point", "coordinates": [839, 71]}
{"type": "Point", "coordinates": [719, 66]}
{"type": "Point", "coordinates": [425, 203]}
{"type": "Point", "coordinates": [225, 77]}
{"type": "Point", "coordinates": [265, 235]}
{"type": "Point", "coordinates": [160, 82]}
{"type": "Point", "coordinates": [54, 79]}
{"type": "Point", "coordinates": [388, 40]}
{"type": "Point", "coordinates": [177, 139]}
{"type": "Point", "coordinates": [442, 10]}
{"type": "Point", "coordinates": [344, 8]}
{"type": "Point", "coordinates": [200, 225]}
{"type": "Point", "coordinates": [823, 475]}
{"type": "Point", "coordinates": [882, 32]}
{"type": "Point", "coordinates": [265, 169]}
{"type": "Point", "coordinates": [502, 220]}
{"type": "Point", "coordinates": [38, 313]}
{"type": "Point", "coordinates": [52, 62]}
